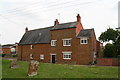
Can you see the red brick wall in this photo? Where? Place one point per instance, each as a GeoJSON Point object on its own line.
{"type": "Point", "coordinates": [16, 49]}
{"type": "Point", "coordinates": [78, 27]}
{"type": "Point", "coordinates": [25, 51]}
{"type": "Point", "coordinates": [63, 34]}
{"type": "Point", "coordinates": [81, 53]}
{"type": "Point", "coordinates": [6, 50]}
{"type": "Point", "coordinates": [108, 62]}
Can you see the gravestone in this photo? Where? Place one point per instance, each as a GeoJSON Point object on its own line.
{"type": "Point", "coordinates": [33, 68]}
{"type": "Point", "coordinates": [14, 64]}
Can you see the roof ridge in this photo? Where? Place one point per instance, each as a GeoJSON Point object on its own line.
{"type": "Point", "coordinates": [88, 29]}
{"type": "Point", "coordinates": [41, 28]}
{"type": "Point", "coordinates": [51, 26]}
{"type": "Point", "coordinates": [66, 23]}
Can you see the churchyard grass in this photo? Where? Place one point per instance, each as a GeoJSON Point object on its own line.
{"type": "Point", "coordinates": [59, 71]}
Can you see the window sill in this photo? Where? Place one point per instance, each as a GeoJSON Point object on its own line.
{"type": "Point", "coordinates": [66, 45]}
{"type": "Point", "coordinates": [83, 43]}
{"type": "Point", "coordinates": [67, 58]}
{"type": "Point", "coordinates": [52, 46]}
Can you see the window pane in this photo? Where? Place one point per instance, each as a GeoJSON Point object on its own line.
{"type": "Point", "coordinates": [53, 42]}
{"type": "Point", "coordinates": [41, 56]}
{"type": "Point", "coordinates": [82, 41]}
{"type": "Point", "coordinates": [66, 42]}
{"type": "Point", "coordinates": [85, 41]}
{"type": "Point", "coordinates": [67, 55]}
{"type": "Point", "coordinates": [64, 56]}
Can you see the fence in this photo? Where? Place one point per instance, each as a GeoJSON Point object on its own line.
{"type": "Point", "coordinates": [108, 61]}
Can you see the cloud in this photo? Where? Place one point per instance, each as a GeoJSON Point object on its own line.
{"type": "Point", "coordinates": [98, 14]}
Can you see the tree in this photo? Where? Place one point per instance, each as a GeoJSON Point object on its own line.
{"type": "Point", "coordinates": [108, 35]}
{"type": "Point", "coordinates": [117, 45]}
{"type": "Point", "coordinates": [111, 50]}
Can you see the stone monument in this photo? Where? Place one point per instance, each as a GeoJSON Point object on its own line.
{"type": "Point", "coordinates": [14, 63]}
{"type": "Point", "coordinates": [33, 68]}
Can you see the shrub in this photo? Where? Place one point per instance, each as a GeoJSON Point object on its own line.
{"type": "Point", "coordinates": [15, 55]}
{"type": "Point", "coordinates": [3, 55]}
{"type": "Point", "coordinates": [95, 62]}
{"type": "Point", "coordinates": [90, 63]}
{"type": "Point", "coordinates": [110, 51]}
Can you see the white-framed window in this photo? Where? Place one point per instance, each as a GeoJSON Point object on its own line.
{"type": "Point", "coordinates": [66, 55]}
{"type": "Point", "coordinates": [31, 46]}
{"type": "Point", "coordinates": [67, 42]}
{"type": "Point", "coordinates": [84, 40]}
{"type": "Point", "coordinates": [31, 56]}
{"type": "Point", "coordinates": [53, 42]}
{"type": "Point", "coordinates": [42, 56]}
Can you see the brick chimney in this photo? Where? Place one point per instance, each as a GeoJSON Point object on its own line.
{"type": "Point", "coordinates": [78, 18]}
{"type": "Point", "coordinates": [56, 22]}
{"type": "Point", "coordinates": [26, 29]}
{"type": "Point", "coordinates": [79, 26]}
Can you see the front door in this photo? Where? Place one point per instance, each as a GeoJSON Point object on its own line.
{"type": "Point", "coordinates": [53, 58]}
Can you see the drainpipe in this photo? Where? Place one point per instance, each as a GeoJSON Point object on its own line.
{"type": "Point", "coordinates": [93, 57]}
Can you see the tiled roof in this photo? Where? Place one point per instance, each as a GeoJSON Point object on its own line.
{"type": "Point", "coordinates": [65, 26]}
{"type": "Point", "coordinates": [37, 36]}
{"type": "Point", "coordinates": [8, 45]}
{"type": "Point", "coordinates": [85, 33]}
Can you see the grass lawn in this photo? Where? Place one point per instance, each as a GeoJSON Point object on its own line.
{"type": "Point", "coordinates": [59, 71]}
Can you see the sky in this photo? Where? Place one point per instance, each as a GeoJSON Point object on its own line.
{"type": "Point", "coordinates": [16, 15]}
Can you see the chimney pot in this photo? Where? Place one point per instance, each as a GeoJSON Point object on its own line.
{"type": "Point", "coordinates": [56, 22]}
{"type": "Point", "coordinates": [78, 18]}
{"type": "Point", "coordinates": [26, 29]}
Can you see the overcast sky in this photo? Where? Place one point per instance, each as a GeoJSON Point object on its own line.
{"type": "Point", "coordinates": [15, 15]}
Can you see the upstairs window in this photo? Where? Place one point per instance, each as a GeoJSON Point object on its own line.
{"type": "Point", "coordinates": [66, 55]}
{"type": "Point", "coordinates": [53, 42]}
{"type": "Point", "coordinates": [83, 40]}
{"type": "Point", "coordinates": [31, 56]}
{"type": "Point", "coordinates": [41, 56]}
{"type": "Point", "coordinates": [67, 42]}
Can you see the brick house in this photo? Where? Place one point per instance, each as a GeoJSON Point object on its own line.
{"type": "Point", "coordinates": [9, 49]}
{"type": "Point", "coordinates": [61, 43]}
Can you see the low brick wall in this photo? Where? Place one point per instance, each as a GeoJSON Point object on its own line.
{"type": "Point", "coordinates": [108, 61]}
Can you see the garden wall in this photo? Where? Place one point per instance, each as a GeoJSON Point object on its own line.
{"type": "Point", "coordinates": [108, 61]}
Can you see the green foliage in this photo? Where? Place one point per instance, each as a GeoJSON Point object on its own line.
{"type": "Point", "coordinates": [108, 35]}
{"type": "Point", "coordinates": [117, 46]}
{"type": "Point", "coordinates": [15, 55]}
{"type": "Point", "coordinates": [110, 51]}
{"type": "Point", "coordinates": [3, 55]}
{"type": "Point", "coordinates": [59, 71]}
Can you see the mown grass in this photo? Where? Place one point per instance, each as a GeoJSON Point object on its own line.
{"type": "Point", "coordinates": [0, 67]}
{"type": "Point", "coordinates": [59, 71]}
